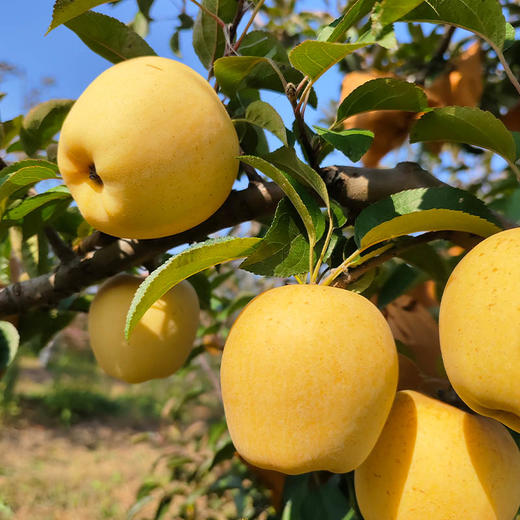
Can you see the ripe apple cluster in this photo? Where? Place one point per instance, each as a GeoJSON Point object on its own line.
{"type": "Point", "coordinates": [309, 375]}
{"type": "Point", "coordinates": [309, 372]}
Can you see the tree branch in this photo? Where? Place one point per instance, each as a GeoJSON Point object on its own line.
{"type": "Point", "coordinates": [465, 240]}
{"type": "Point", "coordinates": [438, 57]}
{"type": "Point", "coordinates": [355, 188]}
{"type": "Point", "coordinates": [64, 253]}
{"type": "Point", "coordinates": [100, 256]}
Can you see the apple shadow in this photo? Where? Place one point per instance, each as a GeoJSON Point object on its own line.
{"type": "Point", "coordinates": [487, 444]}
{"type": "Point", "coordinates": [381, 479]}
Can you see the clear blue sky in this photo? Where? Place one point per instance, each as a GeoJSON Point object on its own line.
{"type": "Point", "coordinates": [62, 56]}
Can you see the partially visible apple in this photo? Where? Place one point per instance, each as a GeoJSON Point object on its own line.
{"type": "Point", "coordinates": [434, 461]}
{"type": "Point", "coordinates": [148, 149]}
{"type": "Point", "coordinates": [161, 341]}
{"type": "Point", "coordinates": [479, 326]}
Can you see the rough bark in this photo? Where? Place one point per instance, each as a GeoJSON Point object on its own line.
{"type": "Point", "coordinates": [101, 256]}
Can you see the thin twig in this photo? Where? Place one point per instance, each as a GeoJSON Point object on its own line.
{"type": "Point", "coordinates": [244, 32]}
{"type": "Point", "coordinates": [251, 173]}
{"type": "Point", "coordinates": [467, 240]}
{"type": "Point", "coordinates": [308, 149]}
{"type": "Point", "coordinates": [239, 13]}
{"type": "Point", "coordinates": [213, 15]}
{"type": "Point", "coordinates": [438, 56]}
{"type": "Point", "coordinates": [507, 69]}
{"type": "Point", "coordinates": [61, 249]}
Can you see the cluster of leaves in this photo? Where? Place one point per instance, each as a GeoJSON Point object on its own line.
{"type": "Point", "coordinates": [310, 234]}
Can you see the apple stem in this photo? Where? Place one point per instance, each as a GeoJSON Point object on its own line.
{"type": "Point", "coordinates": [92, 175]}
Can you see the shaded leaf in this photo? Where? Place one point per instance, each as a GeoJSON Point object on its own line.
{"type": "Point", "coordinates": [42, 123]}
{"type": "Point", "coordinates": [108, 37]}
{"type": "Point", "coordinates": [287, 160]}
{"type": "Point", "coordinates": [263, 44]}
{"type": "Point", "coordinates": [144, 7]}
{"type": "Point", "coordinates": [234, 73]}
{"type": "Point", "coordinates": [391, 10]}
{"type": "Point", "coordinates": [465, 125]}
{"type": "Point", "coordinates": [262, 114]}
{"type": "Point", "coordinates": [288, 188]}
{"type": "Point", "coordinates": [401, 280]}
{"type": "Point", "coordinates": [23, 174]}
{"type": "Point", "coordinates": [9, 130]}
{"type": "Point", "coordinates": [426, 258]}
{"type": "Point", "coordinates": [181, 266]}
{"type": "Point", "coordinates": [208, 38]}
{"type": "Point", "coordinates": [423, 209]}
{"type": "Point", "coordinates": [337, 29]}
{"type": "Point", "coordinates": [9, 341]}
{"type": "Point", "coordinates": [483, 17]}
{"type": "Point", "coordinates": [309, 502]}
{"type": "Point", "coordinates": [284, 250]}
{"type": "Point", "coordinates": [382, 94]}
{"type": "Point", "coordinates": [353, 143]}
{"type": "Point", "coordinates": [33, 203]}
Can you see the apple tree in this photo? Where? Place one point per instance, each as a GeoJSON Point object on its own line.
{"type": "Point", "coordinates": [377, 188]}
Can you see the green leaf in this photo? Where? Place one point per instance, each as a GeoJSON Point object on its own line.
{"type": "Point", "coordinates": [144, 7]}
{"type": "Point", "coordinates": [23, 175]}
{"type": "Point", "coordinates": [516, 139]}
{"type": "Point", "coordinates": [42, 123]}
{"type": "Point", "coordinates": [181, 266]}
{"type": "Point", "coordinates": [509, 205]}
{"type": "Point", "coordinates": [108, 37]}
{"type": "Point", "coordinates": [37, 327]}
{"type": "Point", "coordinates": [337, 29]}
{"type": "Point", "coordinates": [9, 130]}
{"type": "Point", "coordinates": [314, 58]}
{"type": "Point", "coordinates": [383, 36]}
{"type": "Point", "coordinates": [509, 38]}
{"type": "Point", "coordinates": [382, 94]}
{"type": "Point", "coordinates": [262, 114]}
{"type": "Point", "coordinates": [234, 73]}
{"type": "Point", "coordinates": [287, 160]}
{"type": "Point", "coordinates": [33, 203]}
{"type": "Point", "coordinates": [402, 279]}
{"type": "Point", "coordinates": [65, 10]}
{"type": "Point", "coordinates": [306, 501]}
{"type": "Point", "coordinates": [423, 209]}
{"type": "Point", "coordinates": [465, 125]}
{"type": "Point", "coordinates": [426, 258]}
{"type": "Point", "coordinates": [288, 188]}
{"type": "Point", "coordinates": [263, 44]}
{"type": "Point", "coordinates": [140, 24]}
{"type": "Point", "coordinates": [208, 38]}
{"type": "Point", "coordinates": [284, 250]}
{"type": "Point", "coordinates": [483, 17]}
{"type": "Point", "coordinates": [391, 10]}
{"type": "Point", "coordinates": [8, 170]}
{"type": "Point", "coordinates": [9, 341]}
{"type": "Point", "coordinates": [353, 143]}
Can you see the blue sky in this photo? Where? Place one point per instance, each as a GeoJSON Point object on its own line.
{"type": "Point", "coordinates": [62, 56]}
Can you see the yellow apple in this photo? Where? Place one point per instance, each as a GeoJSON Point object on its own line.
{"type": "Point", "coordinates": [480, 328]}
{"type": "Point", "coordinates": [148, 149]}
{"type": "Point", "coordinates": [308, 375]}
{"type": "Point", "coordinates": [436, 462]}
{"type": "Point", "coordinates": [161, 341]}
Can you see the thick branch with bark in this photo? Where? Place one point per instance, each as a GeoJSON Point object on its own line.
{"type": "Point", "coordinates": [101, 256]}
